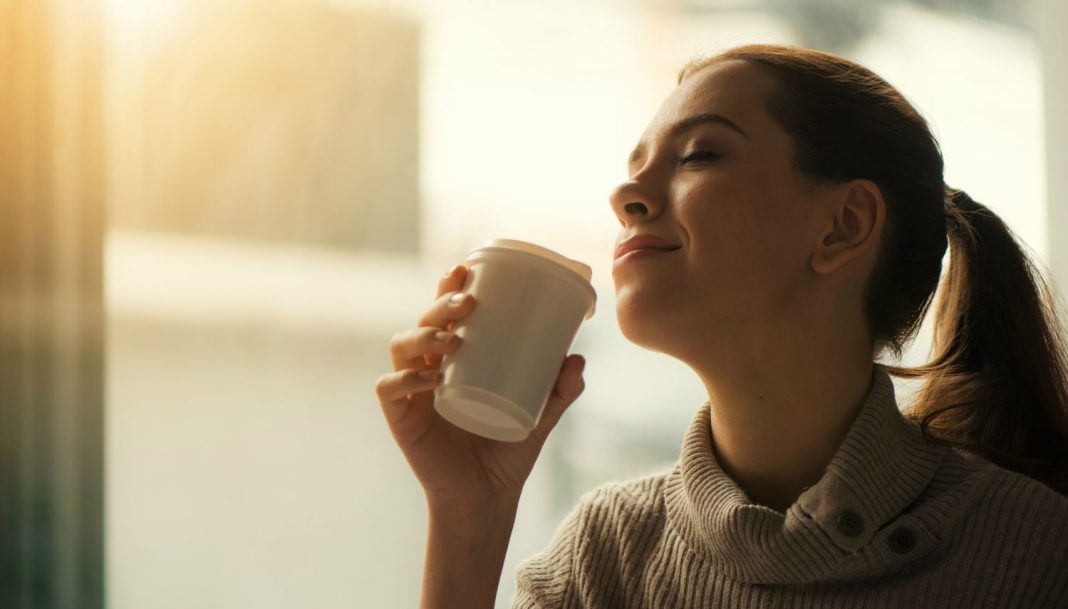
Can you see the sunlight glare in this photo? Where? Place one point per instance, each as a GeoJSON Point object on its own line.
{"type": "Point", "coordinates": [143, 17]}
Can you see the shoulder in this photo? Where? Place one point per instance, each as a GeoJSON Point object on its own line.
{"type": "Point", "coordinates": [612, 525]}
{"type": "Point", "coordinates": [631, 498]}
{"type": "Point", "coordinates": [1018, 514]}
{"type": "Point", "coordinates": [613, 511]}
{"type": "Point", "coordinates": [617, 516]}
{"type": "Point", "coordinates": [1006, 492]}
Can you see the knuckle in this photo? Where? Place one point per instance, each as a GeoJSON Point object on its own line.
{"type": "Point", "coordinates": [445, 308]}
{"type": "Point", "coordinates": [381, 384]}
{"type": "Point", "coordinates": [432, 344]}
{"type": "Point", "coordinates": [443, 284]}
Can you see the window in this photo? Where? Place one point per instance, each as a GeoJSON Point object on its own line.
{"type": "Point", "coordinates": [286, 181]}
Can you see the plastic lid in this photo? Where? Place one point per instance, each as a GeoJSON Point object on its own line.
{"type": "Point", "coordinates": [581, 269]}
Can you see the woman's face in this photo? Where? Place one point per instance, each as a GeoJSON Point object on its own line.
{"type": "Point", "coordinates": [744, 221]}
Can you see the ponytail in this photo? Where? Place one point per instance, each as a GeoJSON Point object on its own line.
{"type": "Point", "coordinates": [997, 384]}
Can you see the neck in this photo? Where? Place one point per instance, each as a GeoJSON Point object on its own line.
{"type": "Point", "coordinates": [782, 403]}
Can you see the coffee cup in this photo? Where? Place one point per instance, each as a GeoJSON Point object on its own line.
{"type": "Point", "coordinates": [530, 302]}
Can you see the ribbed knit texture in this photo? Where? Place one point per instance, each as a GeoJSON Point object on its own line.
{"type": "Point", "coordinates": [895, 521]}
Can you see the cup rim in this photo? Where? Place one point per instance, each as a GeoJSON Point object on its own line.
{"type": "Point", "coordinates": [565, 271]}
{"type": "Point", "coordinates": [581, 269]}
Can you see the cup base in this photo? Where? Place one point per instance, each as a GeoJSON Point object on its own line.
{"type": "Point", "coordinates": [483, 413]}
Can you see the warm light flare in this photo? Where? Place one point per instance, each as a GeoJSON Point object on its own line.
{"type": "Point", "coordinates": [142, 17]}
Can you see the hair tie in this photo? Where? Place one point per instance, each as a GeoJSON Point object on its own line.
{"type": "Point", "coordinates": [959, 198]}
{"type": "Point", "coordinates": [954, 199]}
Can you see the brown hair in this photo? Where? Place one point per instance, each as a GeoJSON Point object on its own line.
{"type": "Point", "coordinates": [998, 383]}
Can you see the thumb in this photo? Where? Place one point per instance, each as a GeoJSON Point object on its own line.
{"type": "Point", "coordinates": [569, 386]}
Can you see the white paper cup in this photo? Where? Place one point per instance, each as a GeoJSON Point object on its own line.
{"type": "Point", "coordinates": [530, 302]}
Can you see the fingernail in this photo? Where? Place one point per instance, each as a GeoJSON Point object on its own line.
{"type": "Point", "coordinates": [429, 375]}
{"type": "Point", "coordinates": [457, 298]}
{"type": "Point", "coordinates": [442, 336]}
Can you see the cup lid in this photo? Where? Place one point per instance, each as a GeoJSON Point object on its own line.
{"type": "Point", "coordinates": [581, 269]}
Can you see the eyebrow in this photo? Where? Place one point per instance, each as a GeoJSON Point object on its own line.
{"type": "Point", "coordinates": [685, 124]}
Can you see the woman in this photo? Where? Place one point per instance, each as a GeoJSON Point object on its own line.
{"type": "Point", "coordinates": [803, 200]}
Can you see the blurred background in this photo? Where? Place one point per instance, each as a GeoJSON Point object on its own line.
{"type": "Point", "coordinates": [280, 184]}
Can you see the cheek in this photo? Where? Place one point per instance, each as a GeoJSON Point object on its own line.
{"type": "Point", "coordinates": [727, 223]}
{"type": "Point", "coordinates": [746, 240]}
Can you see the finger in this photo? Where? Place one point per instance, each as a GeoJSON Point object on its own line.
{"type": "Point", "coordinates": [439, 316]}
{"type": "Point", "coordinates": [440, 313]}
{"type": "Point", "coordinates": [393, 389]}
{"type": "Point", "coordinates": [409, 346]}
{"type": "Point", "coordinates": [452, 280]}
{"type": "Point", "coordinates": [445, 311]}
{"type": "Point", "coordinates": [569, 386]}
{"type": "Point", "coordinates": [443, 314]}
{"type": "Point", "coordinates": [403, 347]}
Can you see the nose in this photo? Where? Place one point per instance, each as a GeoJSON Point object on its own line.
{"type": "Point", "coordinates": [632, 201]}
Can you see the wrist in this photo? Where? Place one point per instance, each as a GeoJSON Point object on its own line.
{"type": "Point", "coordinates": [465, 554]}
{"type": "Point", "coordinates": [473, 518]}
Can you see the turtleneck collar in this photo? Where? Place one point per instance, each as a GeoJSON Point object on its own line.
{"type": "Point", "coordinates": [849, 524]}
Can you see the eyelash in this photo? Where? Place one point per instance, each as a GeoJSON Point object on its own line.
{"type": "Point", "coordinates": [699, 155]}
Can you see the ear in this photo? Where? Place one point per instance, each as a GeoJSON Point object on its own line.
{"type": "Point", "coordinates": [855, 214]}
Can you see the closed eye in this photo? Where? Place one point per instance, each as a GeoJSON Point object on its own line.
{"type": "Point", "coordinates": [700, 155]}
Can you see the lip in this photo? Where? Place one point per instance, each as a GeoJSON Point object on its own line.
{"type": "Point", "coordinates": [643, 242]}
{"type": "Point", "coordinates": [641, 252]}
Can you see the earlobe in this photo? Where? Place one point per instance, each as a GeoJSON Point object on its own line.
{"type": "Point", "coordinates": [849, 232]}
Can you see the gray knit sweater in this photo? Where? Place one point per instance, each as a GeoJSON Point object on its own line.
{"type": "Point", "coordinates": [895, 521]}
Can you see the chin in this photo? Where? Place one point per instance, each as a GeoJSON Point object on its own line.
{"type": "Point", "coordinates": [644, 321]}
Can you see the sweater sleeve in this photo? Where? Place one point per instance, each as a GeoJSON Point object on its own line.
{"type": "Point", "coordinates": [545, 580]}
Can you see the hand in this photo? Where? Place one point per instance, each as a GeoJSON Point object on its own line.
{"type": "Point", "coordinates": [459, 471]}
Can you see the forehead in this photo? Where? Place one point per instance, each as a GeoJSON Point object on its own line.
{"type": "Point", "coordinates": [734, 88]}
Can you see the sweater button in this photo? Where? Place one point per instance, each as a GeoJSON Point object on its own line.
{"type": "Point", "coordinates": [902, 540]}
{"type": "Point", "coordinates": [850, 523]}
